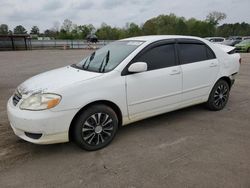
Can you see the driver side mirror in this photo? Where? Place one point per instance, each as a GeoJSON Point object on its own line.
{"type": "Point", "coordinates": [138, 67]}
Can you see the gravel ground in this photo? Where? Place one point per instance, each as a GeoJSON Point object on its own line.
{"type": "Point", "coordinates": [192, 147]}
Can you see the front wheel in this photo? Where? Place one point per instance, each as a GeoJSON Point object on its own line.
{"type": "Point", "coordinates": [219, 96]}
{"type": "Point", "coordinates": [96, 127]}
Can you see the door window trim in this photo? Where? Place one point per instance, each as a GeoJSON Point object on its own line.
{"type": "Point", "coordinates": [192, 41]}
{"type": "Point", "coordinates": [146, 49]}
{"type": "Point", "coordinates": [175, 42]}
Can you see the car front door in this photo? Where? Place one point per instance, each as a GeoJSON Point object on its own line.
{"type": "Point", "coordinates": [159, 88]}
{"type": "Point", "coordinates": [200, 68]}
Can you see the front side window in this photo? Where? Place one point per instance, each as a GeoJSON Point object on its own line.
{"type": "Point", "coordinates": [108, 57]}
{"type": "Point", "coordinates": [190, 53]}
{"type": "Point", "coordinates": [159, 57]}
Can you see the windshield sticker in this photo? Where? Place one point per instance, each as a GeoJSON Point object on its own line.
{"type": "Point", "coordinates": [134, 43]}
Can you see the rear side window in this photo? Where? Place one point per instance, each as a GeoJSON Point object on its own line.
{"type": "Point", "coordinates": [190, 53]}
{"type": "Point", "coordinates": [159, 57]}
{"type": "Point", "coordinates": [210, 53]}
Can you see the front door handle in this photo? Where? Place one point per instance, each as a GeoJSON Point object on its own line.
{"type": "Point", "coordinates": [175, 71]}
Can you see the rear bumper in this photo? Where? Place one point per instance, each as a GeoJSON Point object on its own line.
{"type": "Point", "coordinates": [40, 127]}
{"type": "Point", "coordinates": [232, 78]}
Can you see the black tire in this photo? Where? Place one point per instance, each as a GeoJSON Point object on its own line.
{"type": "Point", "coordinates": [95, 128]}
{"type": "Point", "coordinates": [219, 96]}
{"type": "Point", "coordinates": [248, 50]}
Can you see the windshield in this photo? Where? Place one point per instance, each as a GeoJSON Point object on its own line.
{"type": "Point", "coordinates": [108, 57]}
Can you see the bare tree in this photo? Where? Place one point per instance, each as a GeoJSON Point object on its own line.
{"type": "Point", "coordinates": [67, 25]}
{"type": "Point", "coordinates": [215, 17]}
{"type": "Point", "coordinates": [56, 26]}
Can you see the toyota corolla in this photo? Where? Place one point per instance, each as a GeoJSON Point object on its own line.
{"type": "Point", "coordinates": [123, 82]}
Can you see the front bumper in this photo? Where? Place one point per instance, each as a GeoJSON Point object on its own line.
{"type": "Point", "coordinates": [51, 127]}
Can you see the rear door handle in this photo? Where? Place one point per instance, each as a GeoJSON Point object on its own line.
{"type": "Point", "coordinates": [213, 65]}
{"type": "Point", "coordinates": [175, 71]}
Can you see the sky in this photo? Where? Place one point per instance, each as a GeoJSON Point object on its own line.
{"type": "Point", "coordinates": [45, 13]}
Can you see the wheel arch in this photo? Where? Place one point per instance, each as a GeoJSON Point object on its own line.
{"type": "Point", "coordinates": [103, 102]}
{"type": "Point", "coordinates": [227, 79]}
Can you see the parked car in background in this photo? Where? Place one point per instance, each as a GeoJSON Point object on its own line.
{"type": "Point", "coordinates": [92, 38]}
{"type": "Point", "coordinates": [232, 41]}
{"type": "Point", "coordinates": [218, 40]}
{"type": "Point", "coordinates": [243, 46]}
{"type": "Point", "coordinates": [123, 82]}
{"type": "Point", "coordinates": [246, 38]}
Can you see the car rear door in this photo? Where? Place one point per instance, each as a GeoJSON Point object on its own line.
{"type": "Point", "coordinates": [159, 88]}
{"type": "Point", "coordinates": [199, 68]}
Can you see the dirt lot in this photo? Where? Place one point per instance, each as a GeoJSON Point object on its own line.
{"type": "Point", "coordinates": [192, 147]}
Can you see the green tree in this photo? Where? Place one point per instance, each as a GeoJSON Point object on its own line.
{"type": "Point", "coordinates": [85, 30]}
{"type": "Point", "coordinates": [20, 30]}
{"type": "Point", "coordinates": [49, 33]}
{"type": "Point", "coordinates": [149, 27]}
{"type": "Point", "coordinates": [34, 30]}
{"type": "Point", "coordinates": [181, 27]}
{"type": "Point", "coordinates": [166, 24]}
{"type": "Point", "coordinates": [240, 29]}
{"type": "Point", "coordinates": [133, 30]}
{"type": "Point", "coordinates": [4, 29]}
{"type": "Point", "coordinates": [105, 32]}
{"type": "Point", "coordinates": [200, 28]}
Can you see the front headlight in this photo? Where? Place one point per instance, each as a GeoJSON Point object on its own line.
{"type": "Point", "coordinates": [40, 101]}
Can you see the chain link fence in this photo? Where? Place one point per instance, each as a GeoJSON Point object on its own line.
{"type": "Point", "coordinates": [67, 44]}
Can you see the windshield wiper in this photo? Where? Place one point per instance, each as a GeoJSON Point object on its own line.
{"type": "Point", "coordinates": [102, 68]}
{"type": "Point", "coordinates": [90, 59]}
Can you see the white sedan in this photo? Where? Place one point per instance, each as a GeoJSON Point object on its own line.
{"type": "Point", "coordinates": [123, 82]}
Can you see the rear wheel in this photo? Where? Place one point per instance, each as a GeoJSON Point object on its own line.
{"type": "Point", "coordinates": [219, 96]}
{"type": "Point", "coordinates": [96, 127]}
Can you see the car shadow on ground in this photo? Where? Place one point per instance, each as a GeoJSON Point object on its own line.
{"type": "Point", "coordinates": [163, 120]}
{"type": "Point", "coordinates": [127, 135]}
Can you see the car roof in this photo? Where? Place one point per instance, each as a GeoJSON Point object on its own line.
{"type": "Point", "coordinates": [152, 38]}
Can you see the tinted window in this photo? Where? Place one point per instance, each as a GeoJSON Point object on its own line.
{"type": "Point", "coordinates": [190, 53]}
{"type": "Point", "coordinates": [210, 53]}
{"type": "Point", "coordinates": [159, 57]}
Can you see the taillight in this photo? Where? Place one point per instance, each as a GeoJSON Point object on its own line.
{"type": "Point", "coordinates": [240, 60]}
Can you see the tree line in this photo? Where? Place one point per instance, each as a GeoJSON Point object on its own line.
{"type": "Point", "coordinates": [160, 25]}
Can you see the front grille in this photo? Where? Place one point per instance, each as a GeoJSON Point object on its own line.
{"type": "Point", "coordinates": [16, 97]}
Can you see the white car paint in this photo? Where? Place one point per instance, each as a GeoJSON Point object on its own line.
{"type": "Point", "coordinates": [162, 96]}
{"type": "Point", "coordinates": [138, 96]}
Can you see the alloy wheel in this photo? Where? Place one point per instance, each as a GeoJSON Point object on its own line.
{"type": "Point", "coordinates": [97, 129]}
{"type": "Point", "coordinates": [221, 95]}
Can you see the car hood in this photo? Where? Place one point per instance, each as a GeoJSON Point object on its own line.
{"type": "Point", "coordinates": [55, 79]}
